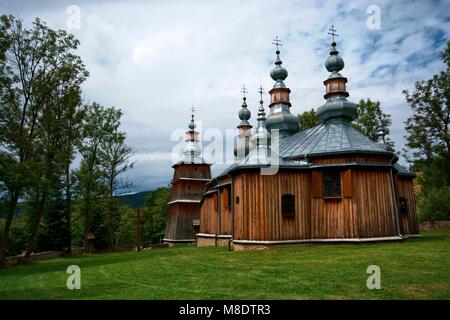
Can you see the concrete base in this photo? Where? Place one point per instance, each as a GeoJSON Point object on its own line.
{"type": "Point", "coordinates": [212, 240]}
{"type": "Point", "coordinates": [239, 245]}
{"type": "Point", "coordinates": [173, 242]}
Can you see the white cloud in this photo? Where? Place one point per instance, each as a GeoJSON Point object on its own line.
{"type": "Point", "coordinates": [155, 59]}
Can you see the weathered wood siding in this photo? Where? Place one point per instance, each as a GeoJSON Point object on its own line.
{"type": "Point", "coordinates": [225, 213]}
{"type": "Point", "coordinates": [258, 214]}
{"type": "Point", "coordinates": [208, 216]}
{"type": "Point", "coordinates": [373, 197]}
{"type": "Point", "coordinates": [179, 226]}
{"type": "Point", "coordinates": [405, 188]}
{"type": "Point", "coordinates": [187, 189]}
{"type": "Point", "coordinates": [364, 210]}
{"type": "Point", "coordinates": [186, 170]}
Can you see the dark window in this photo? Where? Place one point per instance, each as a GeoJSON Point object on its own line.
{"type": "Point", "coordinates": [288, 205]}
{"type": "Point", "coordinates": [331, 184]}
{"type": "Point", "coordinates": [228, 197]}
{"type": "Point", "coordinates": [403, 205]}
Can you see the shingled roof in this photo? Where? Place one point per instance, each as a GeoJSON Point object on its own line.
{"type": "Point", "coordinates": [328, 138]}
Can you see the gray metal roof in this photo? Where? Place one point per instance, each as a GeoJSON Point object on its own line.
{"type": "Point", "coordinates": [328, 138]}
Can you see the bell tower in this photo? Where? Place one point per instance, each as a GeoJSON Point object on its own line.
{"type": "Point", "coordinates": [189, 179]}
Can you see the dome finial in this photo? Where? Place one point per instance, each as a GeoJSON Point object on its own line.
{"type": "Point", "coordinates": [261, 112]}
{"type": "Point", "coordinates": [333, 33]}
{"type": "Point", "coordinates": [192, 124]}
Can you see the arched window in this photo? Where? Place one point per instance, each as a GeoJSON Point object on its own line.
{"type": "Point", "coordinates": [403, 205]}
{"type": "Point", "coordinates": [287, 205]}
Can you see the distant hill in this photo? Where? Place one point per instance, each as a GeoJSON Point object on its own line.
{"type": "Point", "coordinates": [135, 200]}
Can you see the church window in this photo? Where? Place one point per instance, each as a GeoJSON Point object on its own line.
{"type": "Point", "coordinates": [288, 204]}
{"type": "Point", "coordinates": [403, 205]}
{"type": "Point", "coordinates": [332, 184]}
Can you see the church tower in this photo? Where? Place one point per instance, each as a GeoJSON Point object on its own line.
{"type": "Point", "coordinates": [280, 116]}
{"type": "Point", "coordinates": [189, 179]}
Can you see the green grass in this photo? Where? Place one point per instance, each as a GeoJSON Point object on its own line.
{"type": "Point", "coordinates": [414, 269]}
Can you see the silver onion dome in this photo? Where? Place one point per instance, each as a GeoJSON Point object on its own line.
{"type": "Point", "coordinates": [334, 62]}
{"type": "Point", "coordinates": [244, 114]}
{"type": "Point", "coordinates": [279, 73]}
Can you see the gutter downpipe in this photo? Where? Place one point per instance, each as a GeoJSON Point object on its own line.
{"type": "Point", "coordinates": [394, 196]}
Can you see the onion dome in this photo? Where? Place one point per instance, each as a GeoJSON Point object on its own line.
{"type": "Point", "coordinates": [337, 106]}
{"type": "Point", "coordinates": [334, 63]}
{"type": "Point", "coordinates": [278, 74]}
{"type": "Point", "coordinates": [244, 114]}
{"type": "Point", "coordinates": [280, 117]}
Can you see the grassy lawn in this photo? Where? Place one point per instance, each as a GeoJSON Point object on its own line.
{"type": "Point", "coordinates": [414, 269]}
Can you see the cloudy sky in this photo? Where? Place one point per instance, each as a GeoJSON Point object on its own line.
{"type": "Point", "coordinates": [154, 59]}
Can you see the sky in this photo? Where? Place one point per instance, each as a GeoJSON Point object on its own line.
{"type": "Point", "coordinates": [155, 59]}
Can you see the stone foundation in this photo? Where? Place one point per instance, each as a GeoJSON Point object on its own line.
{"type": "Point", "coordinates": [206, 241]}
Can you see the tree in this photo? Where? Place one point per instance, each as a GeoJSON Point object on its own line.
{"type": "Point", "coordinates": [427, 130]}
{"type": "Point", "coordinates": [428, 142]}
{"type": "Point", "coordinates": [34, 64]}
{"type": "Point", "coordinates": [371, 120]}
{"type": "Point", "coordinates": [100, 125]}
{"type": "Point", "coordinates": [155, 215]}
{"type": "Point", "coordinates": [308, 119]}
{"type": "Point", "coordinates": [114, 160]}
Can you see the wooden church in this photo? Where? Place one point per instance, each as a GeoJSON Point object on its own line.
{"type": "Point", "coordinates": [290, 186]}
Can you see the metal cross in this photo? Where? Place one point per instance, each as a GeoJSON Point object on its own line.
{"type": "Point", "coordinates": [261, 91]}
{"type": "Point", "coordinates": [193, 110]}
{"type": "Point", "coordinates": [244, 90]}
{"type": "Point", "coordinates": [333, 32]}
{"type": "Point", "coordinates": [277, 42]}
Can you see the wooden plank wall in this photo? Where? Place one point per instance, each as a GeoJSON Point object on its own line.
{"type": "Point", "coordinates": [192, 171]}
{"type": "Point", "coordinates": [225, 214]}
{"type": "Point", "coordinates": [350, 159]}
{"type": "Point", "coordinates": [405, 188]}
{"type": "Point", "coordinates": [179, 225]}
{"type": "Point", "coordinates": [374, 203]}
{"type": "Point", "coordinates": [208, 216]}
{"type": "Point", "coordinates": [365, 209]}
{"type": "Point", "coordinates": [187, 189]}
{"type": "Point", "coordinates": [258, 214]}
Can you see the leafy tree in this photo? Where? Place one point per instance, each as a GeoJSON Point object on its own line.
{"type": "Point", "coordinates": [114, 160]}
{"type": "Point", "coordinates": [100, 125]}
{"type": "Point", "coordinates": [155, 215]}
{"type": "Point", "coordinates": [428, 128]}
{"type": "Point", "coordinates": [34, 64]}
{"type": "Point", "coordinates": [308, 119]}
{"type": "Point", "coordinates": [428, 142]}
{"type": "Point", "coordinates": [127, 229]}
{"type": "Point", "coordinates": [371, 120]}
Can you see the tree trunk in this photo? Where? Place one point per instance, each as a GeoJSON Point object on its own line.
{"type": "Point", "coordinates": [68, 210]}
{"type": "Point", "coordinates": [110, 223]}
{"type": "Point", "coordinates": [36, 224]}
{"type": "Point", "coordinates": [5, 237]}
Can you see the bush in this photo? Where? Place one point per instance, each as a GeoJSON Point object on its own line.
{"type": "Point", "coordinates": [434, 205]}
